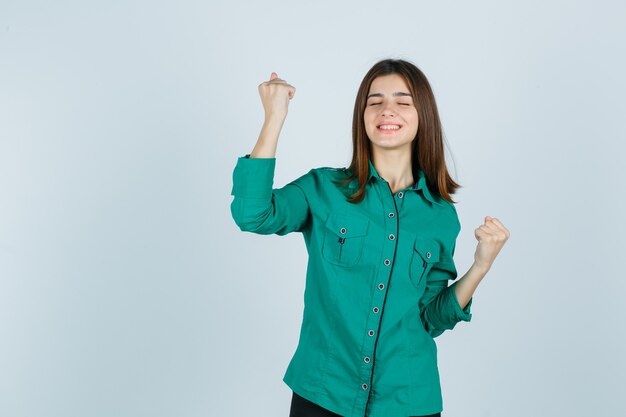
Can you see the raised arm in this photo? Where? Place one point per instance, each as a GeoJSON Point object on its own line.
{"type": "Point", "coordinates": [440, 308]}
{"type": "Point", "coordinates": [275, 95]}
{"type": "Point", "coordinates": [443, 306]}
{"type": "Point", "coordinates": [257, 207]}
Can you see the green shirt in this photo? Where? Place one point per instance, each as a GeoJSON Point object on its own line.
{"type": "Point", "coordinates": [376, 290]}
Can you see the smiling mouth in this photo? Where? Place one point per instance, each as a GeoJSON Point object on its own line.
{"type": "Point", "coordinates": [388, 128]}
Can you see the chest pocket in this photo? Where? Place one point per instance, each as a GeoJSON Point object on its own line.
{"type": "Point", "coordinates": [344, 236]}
{"type": "Point", "coordinates": [425, 254]}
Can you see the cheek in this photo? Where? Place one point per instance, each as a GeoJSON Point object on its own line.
{"type": "Point", "coordinates": [368, 119]}
{"type": "Point", "coordinates": [411, 115]}
{"type": "Point", "coordinates": [412, 119]}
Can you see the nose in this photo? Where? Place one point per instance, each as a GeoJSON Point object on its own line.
{"type": "Point", "coordinates": [388, 111]}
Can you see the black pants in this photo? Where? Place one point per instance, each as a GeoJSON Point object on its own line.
{"type": "Point", "coordinates": [301, 407]}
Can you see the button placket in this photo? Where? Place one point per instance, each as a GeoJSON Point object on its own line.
{"type": "Point", "coordinates": [391, 205]}
{"type": "Point", "coordinates": [399, 198]}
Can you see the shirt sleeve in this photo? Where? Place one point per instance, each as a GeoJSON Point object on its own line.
{"type": "Point", "coordinates": [439, 308]}
{"type": "Point", "coordinates": [257, 207]}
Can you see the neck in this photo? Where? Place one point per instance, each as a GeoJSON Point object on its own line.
{"type": "Point", "coordinates": [394, 166]}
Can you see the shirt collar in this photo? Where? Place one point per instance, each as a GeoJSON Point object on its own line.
{"type": "Point", "coordinates": [420, 183]}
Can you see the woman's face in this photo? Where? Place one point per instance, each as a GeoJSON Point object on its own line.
{"type": "Point", "coordinates": [390, 116]}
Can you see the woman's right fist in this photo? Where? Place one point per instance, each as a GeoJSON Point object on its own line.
{"type": "Point", "coordinates": [275, 95]}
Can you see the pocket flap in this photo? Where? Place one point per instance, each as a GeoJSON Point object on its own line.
{"type": "Point", "coordinates": [428, 249]}
{"type": "Point", "coordinates": [347, 226]}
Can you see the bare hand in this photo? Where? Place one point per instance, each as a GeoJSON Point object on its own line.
{"type": "Point", "coordinates": [491, 237]}
{"type": "Point", "coordinates": [275, 95]}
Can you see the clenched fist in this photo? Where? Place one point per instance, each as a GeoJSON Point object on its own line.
{"type": "Point", "coordinates": [491, 236]}
{"type": "Point", "coordinates": [275, 95]}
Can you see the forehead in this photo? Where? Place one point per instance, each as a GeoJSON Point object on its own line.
{"type": "Point", "coordinates": [389, 83]}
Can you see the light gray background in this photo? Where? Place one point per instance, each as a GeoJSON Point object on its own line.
{"type": "Point", "coordinates": [127, 290]}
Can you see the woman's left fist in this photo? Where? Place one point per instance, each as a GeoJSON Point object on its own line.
{"type": "Point", "coordinates": [491, 237]}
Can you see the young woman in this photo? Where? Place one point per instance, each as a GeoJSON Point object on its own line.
{"type": "Point", "coordinates": [380, 236]}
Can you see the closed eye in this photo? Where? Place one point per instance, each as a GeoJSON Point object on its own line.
{"type": "Point", "coordinates": [402, 104]}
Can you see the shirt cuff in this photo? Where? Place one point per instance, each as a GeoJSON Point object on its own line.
{"type": "Point", "coordinates": [462, 314]}
{"type": "Point", "coordinates": [253, 177]}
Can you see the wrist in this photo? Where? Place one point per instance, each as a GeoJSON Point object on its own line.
{"type": "Point", "coordinates": [480, 268]}
{"type": "Point", "coordinates": [274, 119]}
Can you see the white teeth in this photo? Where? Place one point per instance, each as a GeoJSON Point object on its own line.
{"type": "Point", "coordinates": [389, 127]}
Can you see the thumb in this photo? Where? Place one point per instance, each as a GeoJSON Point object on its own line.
{"type": "Point", "coordinates": [487, 218]}
{"type": "Point", "coordinates": [273, 76]}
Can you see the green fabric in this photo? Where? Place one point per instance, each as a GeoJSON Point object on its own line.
{"type": "Point", "coordinates": [362, 258]}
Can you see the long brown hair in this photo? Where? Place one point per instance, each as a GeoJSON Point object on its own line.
{"type": "Point", "coordinates": [427, 147]}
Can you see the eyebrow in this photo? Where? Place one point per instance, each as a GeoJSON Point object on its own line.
{"type": "Point", "coordinates": [396, 94]}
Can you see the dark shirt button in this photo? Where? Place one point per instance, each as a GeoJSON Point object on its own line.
{"type": "Point", "coordinates": [366, 359]}
{"type": "Point", "coordinates": [381, 286]}
{"type": "Point", "coordinates": [391, 215]}
{"type": "Point", "coordinates": [400, 194]}
{"type": "Point", "coordinates": [371, 333]}
{"type": "Point", "coordinates": [387, 261]}
{"type": "Point", "coordinates": [342, 231]}
{"type": "Point", "coordinates": [375, 310]}
{"type": "Point", "coordinates": [391, 237]}
{"type": "Point", "coordinates": [364, 386]}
